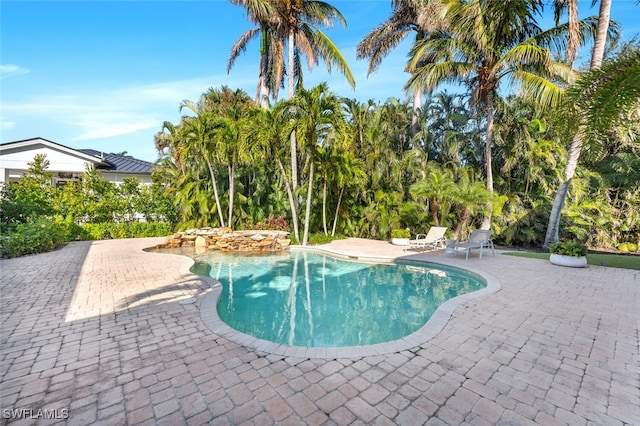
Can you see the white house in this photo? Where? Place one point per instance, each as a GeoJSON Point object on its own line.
{"type": "Point", "coordinates": [68, 164]}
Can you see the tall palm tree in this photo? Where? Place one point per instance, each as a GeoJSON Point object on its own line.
{"type": "Point", "coordinates": [487, 42]}
{"type": "Point", "coordinates": [302, 20]}
{"type": "Point", "coordinates": [575, 149]}
{"type": "Point", "coordinates": [271, 128]}
{"type": "Point", "coordinates": [349, 173]}
{"type": "Point", "coordinates": [317, 115]}
{"type": "Point", "coordinates": [596, 102]}
{"type": "Point", "coordinates": [196, 133]}
{"type": "Point", "coordinates": [407, 16]}
{"type": "Point", "coordinates": [269, 29]}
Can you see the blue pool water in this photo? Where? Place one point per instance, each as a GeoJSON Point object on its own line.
{"type": "Point", "coordinates": [307, 299]}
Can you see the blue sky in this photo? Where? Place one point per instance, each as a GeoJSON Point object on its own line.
{"type": "Point", "coordinates": [106, 74]}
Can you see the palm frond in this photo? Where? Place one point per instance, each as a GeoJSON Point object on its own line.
{"type": "Point", "coordinates": [332, 55]}
{"type": "Point", "coordinates": [240, 46]}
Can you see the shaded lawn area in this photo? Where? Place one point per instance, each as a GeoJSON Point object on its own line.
{"type": "Point", "coordinates": [600, 259]}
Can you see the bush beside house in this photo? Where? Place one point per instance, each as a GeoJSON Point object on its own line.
{"type": "Point", "coordinates": [36, 216]}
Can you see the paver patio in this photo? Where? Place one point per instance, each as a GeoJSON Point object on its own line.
{"type": "Point", "coordinates": [105, 333]}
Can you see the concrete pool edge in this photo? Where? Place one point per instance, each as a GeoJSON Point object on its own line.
{"type": "Point", "coordinates": [437, 322]}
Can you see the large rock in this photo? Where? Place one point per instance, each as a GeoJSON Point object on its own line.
{"type": "Point", "coordinates": [226, 239]}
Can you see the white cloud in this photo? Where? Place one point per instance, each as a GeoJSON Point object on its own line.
{"type": "Point", "coordinates": [11, 70]}
{"type": "Point", "coordinates": [100, 113]}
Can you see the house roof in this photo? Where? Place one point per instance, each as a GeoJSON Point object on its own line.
{"type": "Point", "coordinates": [103, 161]}
{"type": "Point", "coordinates": [120, 163]}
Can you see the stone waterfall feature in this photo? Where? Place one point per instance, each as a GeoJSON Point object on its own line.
{"type": "Point", "coordinates": [226, 239]}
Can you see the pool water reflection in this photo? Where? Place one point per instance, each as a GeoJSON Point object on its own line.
{"type": "Point", "coordinates": [308, 299]}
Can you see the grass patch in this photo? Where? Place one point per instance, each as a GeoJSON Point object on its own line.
{"type": "Point", "coordinates": [599, 259]}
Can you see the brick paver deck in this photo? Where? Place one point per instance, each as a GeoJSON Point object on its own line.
{"type": "Point", "coordinates": [104, 333]}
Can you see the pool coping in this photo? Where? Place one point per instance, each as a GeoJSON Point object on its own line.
{"type": "Point", "coordinates": [437, 322]}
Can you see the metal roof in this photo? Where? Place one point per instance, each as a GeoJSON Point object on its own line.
{"type": "Point", "coordinates": [103, 161]}
{"type": "Point", "coordinates": [120, 163]}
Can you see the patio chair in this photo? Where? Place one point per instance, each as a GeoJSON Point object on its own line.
{"type": "Point", "coordinates": [433, 239]}
{"type": "Point", "coordinates": [479, 239]}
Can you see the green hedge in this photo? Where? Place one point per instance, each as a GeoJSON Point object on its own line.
{"type": "Point", "coordinates": [45, 235]}
{"type": "Point", "coordinates": [32, 237]}
{"type": "Point", "coordinates": [101, 231]}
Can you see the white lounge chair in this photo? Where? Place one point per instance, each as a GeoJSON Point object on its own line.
{"type": "Point", "coordinates": [479, 239]}
{"type": "Point", "coordinates": [433, 239]}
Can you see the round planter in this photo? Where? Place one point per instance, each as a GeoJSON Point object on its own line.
{"type": "Point", "coordinates": [571, 261]}
{"type": "Point", "coordinates": [400, 241]}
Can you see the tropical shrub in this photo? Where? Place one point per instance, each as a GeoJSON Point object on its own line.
{"type": "Point", "coordinates": [111, 230]}
{"type": "Point", "coordinates": [39, 236]}
{"type": "Point", "coordinates": [400, 233]}
{"type": "Point", "coordinates": [568, 248]}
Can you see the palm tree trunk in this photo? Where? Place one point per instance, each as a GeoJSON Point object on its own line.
{"type": "Point", "coordinates": [294, 147]}
{"type": "Point", "coordinates": [324, 206]}
{"type": "Point", "coordinates": [335, 218]}
{"type": "Point", "coordinates": [232, 173]}
{"type": "Point", "coordinates": [292, 204]}
{"type": "Point", "coordinates": [597, 56]}
{"type": "Point", "coordinates": [307, 213]}
{"type": "Point", "coordinates": [415, 118]}
{"type": "Point", "coordinates": [604, 17]}
{"type": "Point", "coordinates": [486, 222]}
{"type": "Point", "coordinates": [262, 97]}
{"type": "Point", "coordinates": [434, 206]}
{"type": "Point", "coordinates": [464, 218]}
{"type": "Point", "coordinates": [553, 227]}
{"type": "Point", "coordinates": [215, 191]}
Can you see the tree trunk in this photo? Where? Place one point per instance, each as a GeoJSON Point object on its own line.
{"type": "Point", "coordinates": [335, 218]}
{"type": "Point", "coordinates": [604, 17]}
{"type": "Point", "coordinates": [294, 148]}
{"type": "Point", "coordinates": [576, 144]}
{"type": "Point", "coordinates": [434, 206]}
{"type": "Point", "coordinates": [553, 227]}
{"type": "Point", "coordinates": [232, 173]}
{"type": "Point", "coordinates": [215, 191]}
{"type": "Point", "coordinates": [307, 213]}
{"type": "Point", "coordinates": [486, 222]}
{"type": "Point", "coordinates": [292, 204]}
{"type": "Point", "coordinates": [324, 206]}
{"type": "Point", "coordinates": [415, 118]}
{"type": "Point", "coordinates": [293, 140]}
{"type": "Point", "coordinates": [464, 217]}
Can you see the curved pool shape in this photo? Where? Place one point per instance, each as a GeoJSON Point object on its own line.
{"type": "Point", "coordinates": [307, 299]}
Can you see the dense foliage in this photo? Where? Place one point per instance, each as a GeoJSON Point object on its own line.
{"type": "Point", "coordinates": [36, 216]}
{"type": "Point", "coordinates": [371, 175]}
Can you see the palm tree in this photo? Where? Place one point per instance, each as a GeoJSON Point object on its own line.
{"type": "Point", "coordinates": [317, 114]}
{"type": "Point", "coordinates": [406, 17]}
{"type": "Point", "coordinates": [271, 128]}
{"type": "Point", "coordinates": [196, 134]}
{"type": "Point", "coordinates": [600, 98]}
{"type": "Point", "coordinates": [472, 196]}
{"type": "Point", "coordinates": [486, 42]}
{"type": "Point", "coordinates": [576, 144]}
{"type": "Point", "coordinates": [301, 22]}
{"type": "Point", "coordinates": [448, 120]}
{"type": "Point", "coordinates": [232, 109]}
{"type": "Point", "coordinates": [437, 188]}
{"type": "Point", "coordinates": [271, 70]}
{"type": "Point", "coordinates": [348, 173]}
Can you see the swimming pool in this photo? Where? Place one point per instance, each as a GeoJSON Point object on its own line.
{"type": "Point", "coordinates": [308, 299]}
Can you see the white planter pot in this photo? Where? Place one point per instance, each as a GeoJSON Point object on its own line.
{"type": "Point", "coordinates": [400, 241]}
{"type": "Point", "coordinates": [571, 261]}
